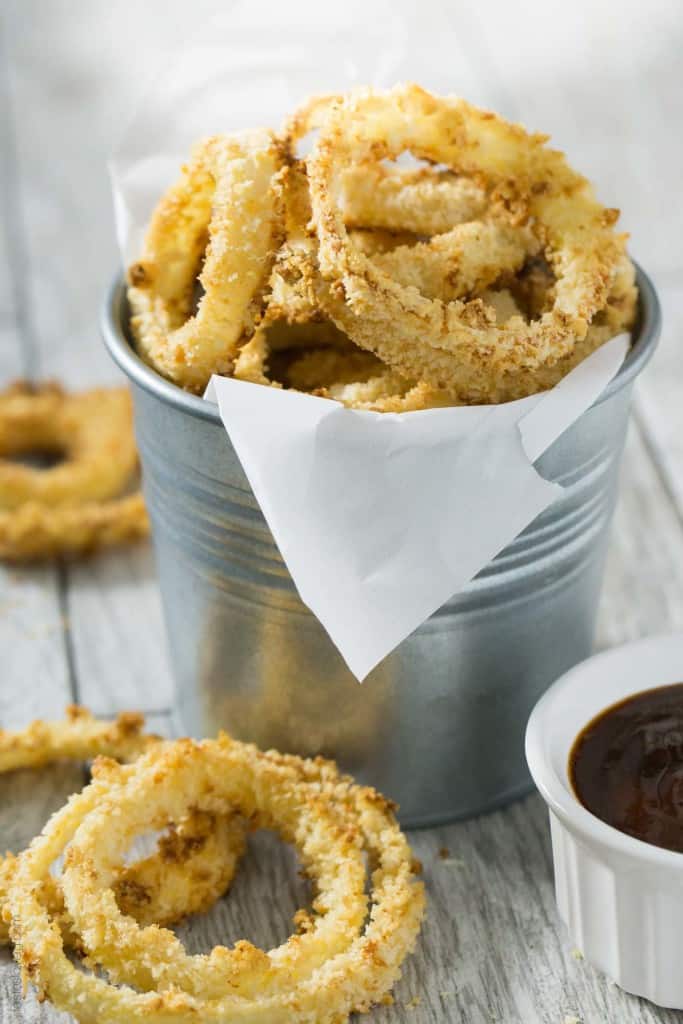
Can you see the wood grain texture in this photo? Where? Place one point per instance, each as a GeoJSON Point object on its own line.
{"type": "Point", "coordinates": [609, 89]}
{"type": "Point", "coordinates": [67, 249]}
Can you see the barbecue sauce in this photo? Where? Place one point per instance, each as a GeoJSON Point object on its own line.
{"type": "Point", "coordinates": [626, 766]}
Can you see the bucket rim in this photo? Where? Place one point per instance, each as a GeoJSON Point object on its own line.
{"type": "Point", "coordinates": [117, 338]}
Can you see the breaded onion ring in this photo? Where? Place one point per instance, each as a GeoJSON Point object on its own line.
{"type": "Point", "coordinates": [80, 737]}
{"type": "Point", "coordinates": [467, 259]}
{"type": "Point", "coordinates": [230, 191]}
{"type": "Point", "coordinates": [195, 861]}
{"type": "Point", "coordinates": [154, 958]}
{"type": "Point", "coordinates": [73, 506]}
{"type": "Point", "coordinates": [271, 786]}
{"type": "Point", "coordinates": [427, 337]}
{"type": "Point", "coordinates": [92, 430]}
{"type": "Point", "coordinates": [192, 868]}
{"type": "Point", "coordinates": [34, 532]}
{"type": "Point", "coordinates": [420, 200]}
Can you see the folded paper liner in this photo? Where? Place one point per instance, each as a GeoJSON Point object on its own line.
{"type": "Point", "coordinates": [382, 517]}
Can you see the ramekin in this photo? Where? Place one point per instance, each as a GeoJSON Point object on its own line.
{"type": "Point", "coordinates": [621, 899]}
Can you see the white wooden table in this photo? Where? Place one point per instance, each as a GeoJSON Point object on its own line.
{"type": "Point", "coordinates": [606, 81]}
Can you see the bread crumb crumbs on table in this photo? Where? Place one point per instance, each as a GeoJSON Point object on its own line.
{"type": "Point", "coordinates": [452, 862]}
{"type": "Point", "coordinates": [444, 853]}
{"type": "Point", "coordinates": [577, 954]}
{"type": "Point", "coordinates": [413, 1003]}
{"type": "Point", "coordinates": [572, 1019]}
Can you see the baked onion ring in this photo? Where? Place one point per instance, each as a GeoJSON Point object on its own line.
{"type": "Point", "coordinates": [194, 862]}
{"type": "Point", "coordinates": [79, 737]}
{"type": "Point", "coordinates": [91, 430]}
{"type": "Point", "coordinates": [428, 338]}
{"type": "Point", "coordinates": [35, 532]}
{"type": "Point", "coordinates": [229, 190]}
{"type": "Point", "coordinates": [349, 980]}
{"type": "Point", "coordinates": [74, 505]}
{"type": "Point", "coordinates": [420, 200]}
{"type": "Point", "coordinates": [154, 958]}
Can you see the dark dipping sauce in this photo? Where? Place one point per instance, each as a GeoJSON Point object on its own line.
{"type": "Point", "coordinates": [626, 766]}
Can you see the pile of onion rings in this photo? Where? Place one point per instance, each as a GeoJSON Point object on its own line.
{"type": "Point", "coordinates": [348, 948]}
{"type": "Point", "coordinates": [79, 503]}
{"type": "Point", "coordinates": [481, 274]}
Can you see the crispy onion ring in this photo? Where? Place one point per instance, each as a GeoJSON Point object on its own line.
{"type": "Point", "coordinates": [80, 737]}
{"type": "Point", "coordinates": [273, 787]}
{"type": "Point", "coordinates": [153, 958]}
{"type": "Point", "coordinates": [468, 258]}
{"type": "Point", "coordinates": [193, 867]}
{"type": "Point", "coordinates": [92, 430]}
{"type": "Point", "coordinates": [230, 191]}
{"type": "Point", "coordinates": [35, 532]}
{"type": "Point", "coordinates": [195, 861]}
{"type": "Point", "coordinates": [427, 337]}
{"type": "Point", "coordinates": [420, 200]}
{"type": "Point", "coordinates": [73, 506]}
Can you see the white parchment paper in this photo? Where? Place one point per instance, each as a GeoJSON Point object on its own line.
{"type": "Point", "coordinates": [380, 518]}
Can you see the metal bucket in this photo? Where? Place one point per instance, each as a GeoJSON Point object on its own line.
{"type": "Point", "coordinates": [439, 724]}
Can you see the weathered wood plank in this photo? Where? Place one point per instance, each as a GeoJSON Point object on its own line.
{"type": "Point", "coordinates": [35, 676]}
{"type": "Point", "coordinates": [70, 252]}
{"type": "Point", "coordinates": [658, 399]}
{"type": "Point", "coordinates": [117, 632]}
{"type": "Point", "coordinates": [644, 589]}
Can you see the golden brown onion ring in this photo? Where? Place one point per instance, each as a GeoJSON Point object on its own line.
{"type": "Point", "coordinates": [154, 958]}
{"type": "Point", "coordinates": [467, 259]}
{"type": "Point", "coordinates": [429, 338]}
{"type": "Point", "coordinates": [195, 862]}
{"type": "Point", "coordinates": [192, 868]}
{"type": "Point", "coordinates": [80, 737]}
{"type": "Point", "coordinates": [421, 200]}
{"type": "Point", "coordinates": [74, 505]}
{"type": "Point", "coordinates": [351, 980]}
{"type": "Point", "coordinates": [35, 532]}
{"type": "Point", "coordinates": [91, 431]}
{"type": "Point", "coordinates": [230, 192]}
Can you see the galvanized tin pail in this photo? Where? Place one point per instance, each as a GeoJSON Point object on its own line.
{"type": "Point", "coordinates": [439, 725]}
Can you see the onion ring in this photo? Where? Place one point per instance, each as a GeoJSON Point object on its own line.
{"type": "Point", "coordinates": [429, 338]}
{"type": "Point", "coordinates": [33, 532]}
{"type": "Point", "coordinates": [421, 200]}
{"type": "Point", "coordinates": [350, 980]}
{"type": "Point", "coordinates": [194, 863]}
{"type": "Point", "coordinates": [152, 958]}
{"type": "Point", "coordinates": [91, 429]}
{"type": "Point", "coordinates": [230, 190]}
{"type": "Point", "coordinates": [80, 737]}
{"type": "Point", "coordinates": [73, 506]}
{"type": "Point", "coordinates": [467, 259]}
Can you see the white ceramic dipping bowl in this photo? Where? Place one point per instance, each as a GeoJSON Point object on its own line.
{"type": "Point", "coordinates": [621, 899]}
